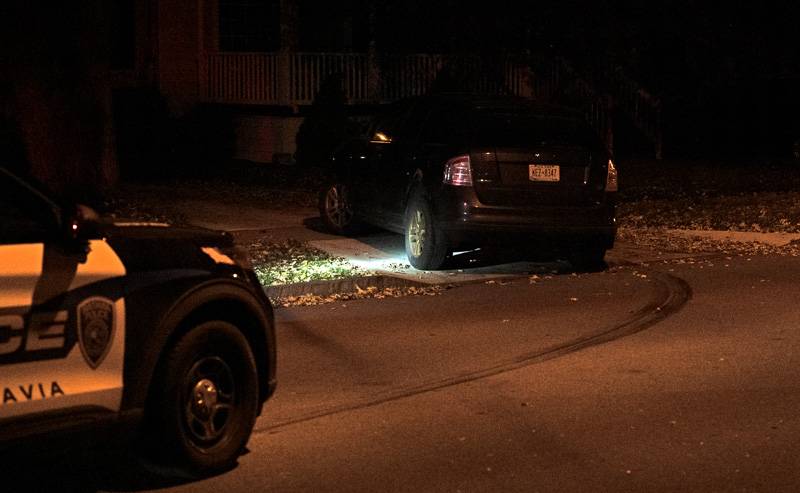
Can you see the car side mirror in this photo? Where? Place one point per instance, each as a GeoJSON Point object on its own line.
{"type": "Point", "coordinates": [81, 224]}
{"type": "Point", "coordinates": [380, 138]}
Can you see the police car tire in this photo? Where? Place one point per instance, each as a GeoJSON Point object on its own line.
{"type": "Point", "coordinates": [175, 435]}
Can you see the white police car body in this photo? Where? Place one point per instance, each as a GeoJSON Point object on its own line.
{"type": "Point", "coordinates": [165, 331]}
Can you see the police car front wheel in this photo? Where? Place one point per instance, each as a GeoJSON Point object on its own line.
{"type": "Point", "coordinates": [207, 399]}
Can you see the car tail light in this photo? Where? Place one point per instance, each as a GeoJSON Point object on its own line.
{"type": "Point", "coordinates": [611, 178]}
{"type": "Point", "coordinates": [458, 171]}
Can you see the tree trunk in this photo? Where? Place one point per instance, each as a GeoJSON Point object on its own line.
{"type": "Point", "coordinates": [58, 96]}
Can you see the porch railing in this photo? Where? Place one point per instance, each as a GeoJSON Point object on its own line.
{"type": "Point", "coordinates": [559, 81]}
{"type": "Point", "coordinates": [295, 79]}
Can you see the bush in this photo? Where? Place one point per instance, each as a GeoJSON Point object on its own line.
{"type": "Point", "coordinates": [326, 125]}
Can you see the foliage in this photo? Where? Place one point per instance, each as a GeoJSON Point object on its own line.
{"type": "Point", "coordinates": [369, 292]}
{"type": "Point", "coordinates": [326, 125]}
{"type": "Point", "coordinates": [759, 197]}
{"type": "Point", "coordinates": [293, 261]}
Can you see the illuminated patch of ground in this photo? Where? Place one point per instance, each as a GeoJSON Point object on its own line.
{"type": "Point", "coordinates": [292, 261]}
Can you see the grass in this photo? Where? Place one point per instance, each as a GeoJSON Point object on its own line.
{"type": "Point", "coordinates": [293, 261]}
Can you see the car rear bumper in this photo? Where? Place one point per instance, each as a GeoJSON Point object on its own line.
{"type": "Point", "coordinates": [467, 221]}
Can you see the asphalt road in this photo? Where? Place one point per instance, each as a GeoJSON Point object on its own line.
{"type": "Point", "coordinates": [671, 377]}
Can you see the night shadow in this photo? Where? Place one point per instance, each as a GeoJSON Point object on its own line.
{"type": "Point", "coordinates": [315, 224]}
{"type": "Point", "coordinates": [477, 259]}
{"type": "Point", "coordinates": [494, 256]}
{"type": "Point", "coordinates": [88, 468]}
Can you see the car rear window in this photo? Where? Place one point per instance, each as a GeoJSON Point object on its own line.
{"type": "Point", "coordinates": [508, 128]}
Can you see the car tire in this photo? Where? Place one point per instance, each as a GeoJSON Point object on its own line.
{"type": "Point", "coordinates": [206, 400]}
{"type": "Point", "coordinates": [335, 208]}
{"type": "Point", "coordinates": [425, 243]}
{"type": "Point", "coordinates": [587, 259]}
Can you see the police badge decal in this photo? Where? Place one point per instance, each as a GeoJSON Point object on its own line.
{"type": "Point", "coordinates": [95, 329]}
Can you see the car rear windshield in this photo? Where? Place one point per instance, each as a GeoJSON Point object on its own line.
{"type": "Point", "coordinates": [509, 128]}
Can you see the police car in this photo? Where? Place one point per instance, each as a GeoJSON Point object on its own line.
{"type": "Point", "coordinates": [161, 330]}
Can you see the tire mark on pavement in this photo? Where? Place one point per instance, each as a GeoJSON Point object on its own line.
{"type": "Point", "coordinates": [672, 293]}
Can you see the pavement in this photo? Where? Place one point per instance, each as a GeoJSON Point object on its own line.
{"type": "Point", "coordinates": [382, 254]}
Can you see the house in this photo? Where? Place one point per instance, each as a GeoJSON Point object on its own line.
{"type": "Point", "coordinates": [262, 64]}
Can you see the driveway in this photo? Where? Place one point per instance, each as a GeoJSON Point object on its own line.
{"type": "Point", "coordinates": [382, 252]}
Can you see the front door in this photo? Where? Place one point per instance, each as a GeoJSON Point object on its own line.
{"type": "Point", "coordinates": [62, 322]}
{"type": "Point", "coordinates": [392, 160]}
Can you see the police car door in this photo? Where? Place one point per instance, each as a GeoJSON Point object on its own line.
{"type": "Point", "coordinates": [61, 321]}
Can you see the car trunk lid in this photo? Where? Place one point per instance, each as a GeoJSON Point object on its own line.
{"type": "Point", "coordinates": [526, 160]}
{"type": "Point", "coordinates": [537, 176]}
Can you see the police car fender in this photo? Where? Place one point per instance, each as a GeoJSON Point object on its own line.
{"type": "Point", "coordinates": [164, 312]}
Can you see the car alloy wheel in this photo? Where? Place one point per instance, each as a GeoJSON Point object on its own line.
{"type": "Point", "coordinates": [335, 208]}
{"type": "Point", "coordinates": [425, 243]}
{"type": "Point", "coordinates": [416, 233]}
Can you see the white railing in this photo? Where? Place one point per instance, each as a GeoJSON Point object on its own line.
{"type": "Point", "coordinates": [308, 71]}
{"type": "Point", "coordinates": [295, 79]}
{"type": "Point", "coordinates": [243, 77]}
{"type": "Point", "coordinates": [407, 75]}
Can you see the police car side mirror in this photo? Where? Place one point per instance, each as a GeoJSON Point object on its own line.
{"type": "Point", "coordinates": [80, 225]}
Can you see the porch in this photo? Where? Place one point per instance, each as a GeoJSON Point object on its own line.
{"type": "Point", "coordinates": [294, 79]}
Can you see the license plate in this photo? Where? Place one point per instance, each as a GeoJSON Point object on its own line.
{"type": "Point", "coordinates": [544, 172]}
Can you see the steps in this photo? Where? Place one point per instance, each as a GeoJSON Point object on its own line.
{"type": "Point", "coordinates": [610, 94]}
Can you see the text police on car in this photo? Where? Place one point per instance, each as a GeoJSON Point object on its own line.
{"type": "Point", "coordinates": [166, 330]}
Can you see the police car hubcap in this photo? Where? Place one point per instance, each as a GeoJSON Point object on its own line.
{"type": "Point", "coordinates": [210, 400]}
{"type": "Point", "coordinates": [205, 398]}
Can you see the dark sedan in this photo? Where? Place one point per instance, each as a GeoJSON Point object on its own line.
{"type": "Point", "coordinates": [458, 171]}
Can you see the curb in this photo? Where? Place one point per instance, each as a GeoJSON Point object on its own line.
{"type": "Point", "coordinates": [349, 285]}
{"type": "Point", "coordinates": [777, 239]}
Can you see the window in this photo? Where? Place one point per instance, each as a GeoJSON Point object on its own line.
{"type": "Point", "coordinates": [249, 25]}
{"type": "Point", "coordinates": [400, 122]}
{"type": "Point", "coordinates": [519, 128]}
{"type": "Point", "coordinates": [25, 217]}
{"type": "Point", "coordinates": [446, 125]}
{"type": "Point", "coordinates": [385, 127]}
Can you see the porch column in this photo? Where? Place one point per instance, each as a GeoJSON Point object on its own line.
{"type": "Point", "coordinates": [373, 67]}
{"type": "Point", "coordinates": [288, 33]}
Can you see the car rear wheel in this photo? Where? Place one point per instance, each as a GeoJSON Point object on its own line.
{"type": "Point", "coordinates": [206, 400]}
{"type": "Point", "coordinates": [425, 244]}
{"type": "Point", "coordinates": [335, 208]}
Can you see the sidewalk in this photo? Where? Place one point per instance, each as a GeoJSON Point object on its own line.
{"type": "Point", "coordinates": [382, 253]}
